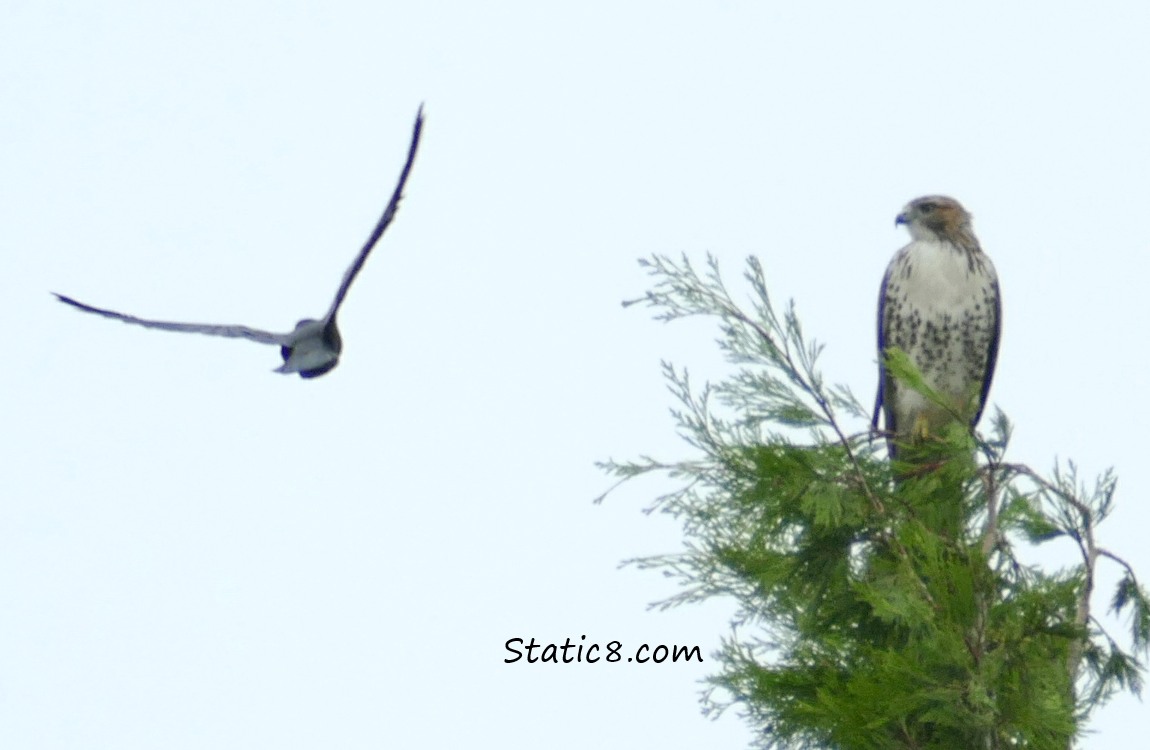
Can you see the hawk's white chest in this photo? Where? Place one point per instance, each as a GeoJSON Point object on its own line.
{"type": "Point", "coordinates": [940, 306]}
{"type": "Point", "coordinates": [938, 278]}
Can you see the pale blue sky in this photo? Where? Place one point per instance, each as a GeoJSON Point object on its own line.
{"type": "Point", "coordinates": [196, 552]}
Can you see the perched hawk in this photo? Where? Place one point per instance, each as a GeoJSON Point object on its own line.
{"type": "Point", "coordinates": [313, 348]}
{"type": "Point", "coordinates": [940, 305]}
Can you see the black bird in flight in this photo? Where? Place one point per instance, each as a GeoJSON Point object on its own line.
{"type": "Point", "coordinates": [313, 348]}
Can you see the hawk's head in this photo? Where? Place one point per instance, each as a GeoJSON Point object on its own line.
{"type": "Point", "coordinates": [935, 217]}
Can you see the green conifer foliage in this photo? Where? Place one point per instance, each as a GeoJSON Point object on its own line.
{"type": "Point", "coordinates": [878, 606]}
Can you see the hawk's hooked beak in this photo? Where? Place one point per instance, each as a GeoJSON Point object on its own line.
{"type": "Point", "coordinates": [900, 219]}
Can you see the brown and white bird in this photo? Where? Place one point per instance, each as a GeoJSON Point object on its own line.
{"type": "Point", "coordinates": [940, 304]}
{"type": "Point", "coordinates": [313, 348]}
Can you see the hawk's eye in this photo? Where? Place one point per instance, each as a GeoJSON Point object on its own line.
{"type": "Point", "coordinates": [926, 208]}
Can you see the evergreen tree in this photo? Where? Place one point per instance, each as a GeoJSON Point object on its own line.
{"type": "Point", "coordinates": [878, 607]}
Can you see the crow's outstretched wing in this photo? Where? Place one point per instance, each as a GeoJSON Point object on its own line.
{"type": "Point", "coordinates": [235, 332]}
{"type": "Point", "coordinates": [384, 220]}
